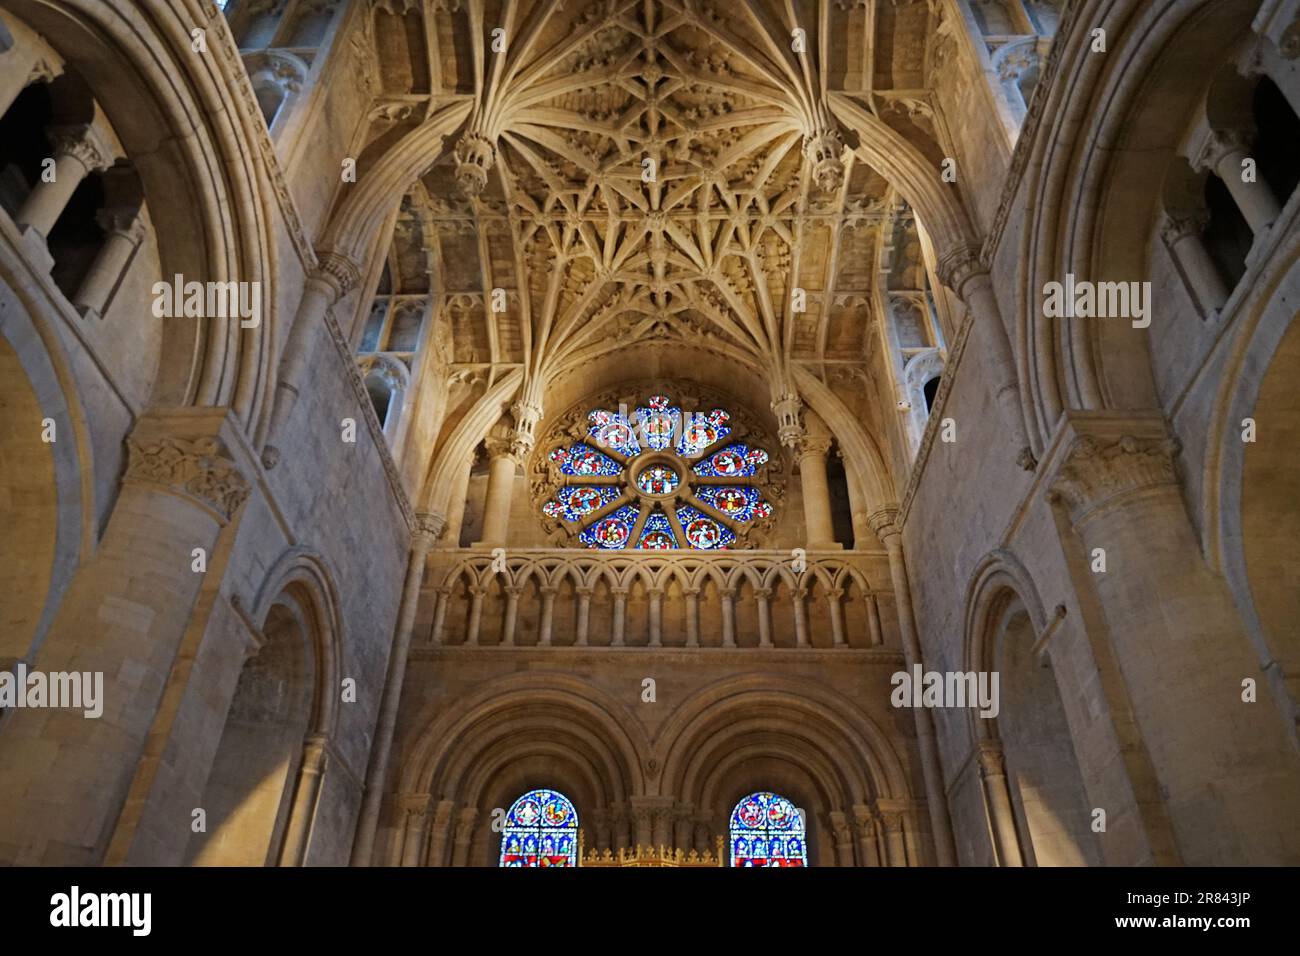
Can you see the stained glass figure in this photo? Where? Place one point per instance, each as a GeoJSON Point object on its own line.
{"type": "Point", "coordinates": [739, 502]}
{"type": "Point", "coordinates": [541, 829]}
{"type": "Point", "coordinates": [612, 430]}
{"type": "Point", "coordinates": [612, 531]}
{"type": "Point", "coordinates": [584, 460]}
{"type": "Point", "coordinates": [767, 830]}
{"type": "Point", "coordinates": [657, 480]}
{"type": "Point", "coordinates": [734, 461]}
{"type": "Point", "coordinates": [576, 501]}
{"type": "Point", "coordinates": [657, 535]}
{"type": "Point", "coordinates": [702, 430]}
{"type": "Point", "coordinates": [702, 532]}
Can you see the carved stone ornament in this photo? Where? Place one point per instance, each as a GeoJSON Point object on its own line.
{"type": "Point", "coordinates": [200, 469]}
{"type": "Point", "coordinates": [1095, 472]}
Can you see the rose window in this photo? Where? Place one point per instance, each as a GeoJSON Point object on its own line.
{"type": "Point", "coordinates": [658, 478]}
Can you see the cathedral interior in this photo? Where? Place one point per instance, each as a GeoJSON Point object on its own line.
{"type": "Point", "coordinates": [476, 433]}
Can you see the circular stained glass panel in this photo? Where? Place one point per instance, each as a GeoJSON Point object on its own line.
{"type": "Point", "coordinates": [658, 480]}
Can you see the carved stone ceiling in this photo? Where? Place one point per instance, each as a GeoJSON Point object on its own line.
{"type": "Point", "coordinates": [654, 171]}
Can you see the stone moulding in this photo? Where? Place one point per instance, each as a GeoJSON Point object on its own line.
{"type": "Point", "coordinates": [199, 469]}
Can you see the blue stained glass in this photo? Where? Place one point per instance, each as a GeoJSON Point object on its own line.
{"type": "Point", "coordinates": [612, 531]}
{"type": "Point", "coordinates": [577, 501]}
{"type": "Point", "coordinates": [658, 424]}
{"type": "Point", "coordinates": [738, 460]}
{"type": "Point", "coordinates": [584, 461]}
{"type": "Point", "coordinates": [612, 430]}
{"type": "Point", "coordinates": [541, 829]}
{"type": "Point", "coordinates": [738, 502]}
{"type": "Point", "coordinates": [703, 532]}
{"type": "Point", "coordinates": [767, 830]}
{"type": "Point", "coordinates": [657, 535]}
{"type": "Point", "coordinates": [702, 429]}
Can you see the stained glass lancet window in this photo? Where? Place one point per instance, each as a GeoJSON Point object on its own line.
{"type": "Point", "coordinates": [541, 829]}
{"type": "Point", "coordinates": [658, 478]}
{"type": "Point", "coordinates": [767, 830]}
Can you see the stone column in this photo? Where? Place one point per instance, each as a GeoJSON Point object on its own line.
{"type": "Point", "coordinates": [441, 600]}
{"type": "Point", "coordinates": [800, 617]}
{"type": "Point", "coordinates": [23, 67]}
{"type": "Point", "coordinates": [833, 597]}
{"type": "Point", "coordinates": [763, 596]}
{"type": "Point", "coordinates": [306, 796]}
{"type": "Point", "coordinates": [439, 833]}
{"type": "Point", "coordinates": [502, 462]}
{"type": "Point", "coordinates": [891, 818]}
{"type": "Point", "coordinates": [78, 151]}
{"type": "Point", "coordinates": [333, 277]}
{"type": "Point", "coordinates": [692, 617]}
{"type": "Point", "coordinates": [875, 632]}
{"type": "Point", "coordinates": [1182, 234]}
{"type": "Point", "coordinates": [864, 825]}
{"type": "Point", "coordinates": [1222, 153]}
{"type": "Point", "coordinates": [1176, 634]}
{"type": "Point", "coordinates": [135, 611]}
{"type": "Point", "coordinates": [584, 617]}
{"type": "Point", "coordinates": [997, 797]}
{"type": "Point", "coordinates": [859, 507]}
{"type": "Point", "coordinates": [476, 594]}
{"type": "Point", "coordinates": [883, 524]}
{"type": "Point", "coordinates": [512, 614]}
{"type": "Point", "coordinates": [124, 233]}
{"type": "Point", "coordinates": [426, 531]}
{"type": "Point", "coordinates": [818, 529]}
{"type": "Point", "coordinates": [548, 613]}
{"type": "Point", "coordinates": [843, 833]}
{"type": "Point", "coordinates": [728, 617]}
{"type": "Point", "coordinates": [464, 835]}
{"type": "Point", "coordinates": [620, 616]}
{"type": "Point", "coordinates": [962, 270]}
{"type": "Point", "coordinates": [643, 816]}
{"type": "Point", "coordinates": [656, 638]}
{"type": "Point", "coordinates": [415, 809]}
{"type": "Point", "coordinates": [602, 828]}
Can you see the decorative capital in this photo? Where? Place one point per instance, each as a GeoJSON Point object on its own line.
{"type": "Point", "coordinates": [1095, 473]}
{"type": "Point", "coordinates": [1219, 145]}
{"type": "Point", "coordinates": [428, 528]}
{"type": "Point", "coordinates": [959, 264]}
{"type": "Point", "coordinates": [199, 469]}
{"type": "Point", "coordinates": [813, 446]}
{"type": "Point", "coordinates": [125, 222]}
{"type": "Point", "coordinates": [84, 144]}
{"type": "Point", "coordinates": [884, 523]}
{"type": "Point", "coordinates": [339, 271]}
{"type": "Point", "coordinates": [1177, 226]}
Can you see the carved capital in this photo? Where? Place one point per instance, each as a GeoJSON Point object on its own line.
{"type": "Point", "coordinates": [125, 222]}
{"type": "Point", "coordinates": [958, 265]}
{"type": "Point", "coordinates": [884, 523]}
{"type": "Point", "coordinates": [82, 143]}
{"type": "Point", "coordinates": [339, 271]}
{"type": "Point", "coordinates": [199, 469]}
{"type": "Point", "coordinates": [1096, 472]}
{"type": "Point", "coordinates": [428, 529]}
{"type": "Point", "coordinates": [1178, 226]}
{"type": "Point", "coordinates": [1220, 145]}
{"type": "Point", "coordinates": [814, 446]}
